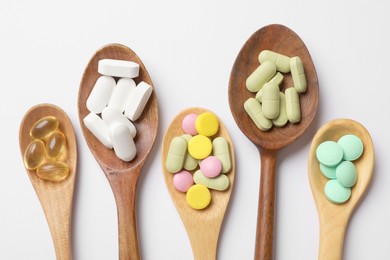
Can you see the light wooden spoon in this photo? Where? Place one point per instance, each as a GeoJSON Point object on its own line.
{"type": "Point", "coordinates": [122, 176]}
{"type": "Point", "coordinates": [56, 197]}
{"type": "Point", "coordinates": [280, 39]}
{"type": "Point", "coordinates": [203, 226]}
{"type": "Point", "coordinates": [334, 218]}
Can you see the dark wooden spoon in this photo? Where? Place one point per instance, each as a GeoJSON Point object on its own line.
{"type": "Point", "coordinates": [123, 176]}
{"type": "Point", "coordinates": [280, 39]}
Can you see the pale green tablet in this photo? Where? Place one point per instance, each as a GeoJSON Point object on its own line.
{"type": "Point", "coordinates": [352, 147]}
{"type": "Point", "coordinates": [346, 174]}
{"type": "Point", "coordinates": [328, 172]}
{"type": "Point", "coordinates": [336, 193]}
{"type": "Point", "coordinates": [329, 153]}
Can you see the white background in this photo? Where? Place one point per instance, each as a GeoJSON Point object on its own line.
{"type": "Point", "coordinates": [189, 48]}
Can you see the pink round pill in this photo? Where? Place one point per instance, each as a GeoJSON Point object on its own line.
{"type": "Point", "coordinates": [188, 124]}
{"type": "Point", "coordinates": [183, 181]}
{"type": "Point", "coordinates": [211, 167]}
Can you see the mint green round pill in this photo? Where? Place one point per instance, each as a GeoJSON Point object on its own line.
{"type": "Point", "coordinates": [329, 153]}
{"type": "Point", "coordinates": [346, 174]}
{"type": "Point", "coordinates": [328, 172]}
{"type": "Point", "coordinates": [352, 147]}
{"type": "Point", "coordinates": [336, 193]}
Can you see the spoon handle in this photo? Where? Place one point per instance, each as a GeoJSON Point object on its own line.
{"type": "Point", "coordinates": [332, 232]}
{"type": "Point", "coordinates": [57, 206]}
{"type": "Point", "coordinates": [124, 186]}
{"type": "Point", "coordinates": [266, 208]}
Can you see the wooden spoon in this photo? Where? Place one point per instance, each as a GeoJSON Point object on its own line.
{"type": "Point", "coordinates": [202, 226]}
{"type": "Point", "coordinates": [122, 175]}
{"type": "Point", "coordinates": [334, 218]}
{"type": "Point", "coordinates": [56, 197]}
{"type": "Point", "coordinates": [280, 39]}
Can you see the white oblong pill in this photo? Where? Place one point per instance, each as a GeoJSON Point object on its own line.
{"type": "Point", "coordinates": [138, 101]}
{"type": "Point", "coordinates": [100, 94]}
{"type": "Point", "coordinates": [122, 142]}
{"type": "Point", "coordinates": [98, 128]}
{"type": "Point", "coordinates": [111, 115]}
{"type": "Point", "coordinates": [118, 68]}
{"type": "Point", "coordinates": [121, 94]}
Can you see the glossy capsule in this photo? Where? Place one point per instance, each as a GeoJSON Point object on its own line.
{"type": "Point", "coordinates": [34, 154]}
{"type": "Point", "coordinates": [44, 127]}
{"type": "Point", "coordinates": [55, 145]}
{"type": "Point", "coordinates": [53, 171]}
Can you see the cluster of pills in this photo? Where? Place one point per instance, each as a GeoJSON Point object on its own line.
{"type": "Point", "coordinates": [271, 106]}
{"type": "Point", "coordinates": [47, 151]}
{"type": "Point", "coordinates": [336, 164]}
{"type": "Point", "coordinates": [117, 102]}
{"type": "Point", "coordinates": [199, 159]}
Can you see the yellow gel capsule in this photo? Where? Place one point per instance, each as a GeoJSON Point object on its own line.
{"type": "Point", "coordinates": [199, 147]}
{"type": "Point", "coordinates": [55, 145]}
{"type": "Point", "coordinates": [207, 124]}
{"type": "Point", "coordinates": [44, 127]}
{"type": "Point", "coordinates": [53, 171]}
{"type": "Point", "coordinates": [198, 196]}
{"type": "Point", "coordinates": [34, 154]}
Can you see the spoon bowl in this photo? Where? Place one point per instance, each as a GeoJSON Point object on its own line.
{"type": "Point", "coordinates": [56, 197]}
{"type": "Point", "coordinates": [122, 176]}
{"type": "Point", "coordinates": [334, 218]}
{"type": "Point", "coordinates": [203, 226]}
{"type": "Point", "coordinates": [280, 39]}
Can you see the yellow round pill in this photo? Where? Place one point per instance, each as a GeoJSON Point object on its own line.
{"type": "Point", "coordinates": [198, 196]}
{"type": "Point", "coordinates": [199, 147]}
{"type": "Point", "coordinates": [207, 124]}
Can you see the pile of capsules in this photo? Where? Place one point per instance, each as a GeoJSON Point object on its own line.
{"type": "Point", "coordinates": [336, 164]}
{"type": "Point", "coordinates": [117, 102]}
{"type": "Point", "coordinates": [271, 106]}
{"type": "Point", "coordinates": [199, 146]}
{"type": "Point", "coordinates": [46, 152]}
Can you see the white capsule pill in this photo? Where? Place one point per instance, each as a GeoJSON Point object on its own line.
{"type": "Point", "coordinates": [282, 62]}
{"type": "Point", "coordinates": [118, 68]}
{"type": "Point", "coordinates": [123, 142]}
{"type": "Point", "coordinates": [270, 100]}
{"type": "Point", "coordinates": [292, 105]}
{"type": "Point", "coordinates": [111, 115]}
{"type": "Point", "coordinates": [138, 101]}
{"type": "Point", "coordinates": [100, 94]}
{"type": "Point", "coordinates": [98, 128]}
{"type": "Point", "coordinates": [122, 94]}
{"type": "Point", "coordinates": [298, 74]}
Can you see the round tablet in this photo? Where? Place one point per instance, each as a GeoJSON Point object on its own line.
{"type": "Point", "coordinates": [336, 193]}
{"type": "Point", "coordinates": [328, 172]}
{"type": "Point", "coordinates": [211, 167]}
{"type": "Point", "coordinates": [198, 196]}
{"type": "Point", "coordinates": [188, 124]}
{"type": "Point", "coordinates": [199, 147]}
{"type": "Point", "coordinates": [183, 181]}
{"type": "Point", "coordinates": [329, 153]}
{"type": "Point", "coordinates": [352, 147]}
{"type": "Point", "coordinates": [346, 174]}
{"type": "Point", "coordinates": [207, 124]}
